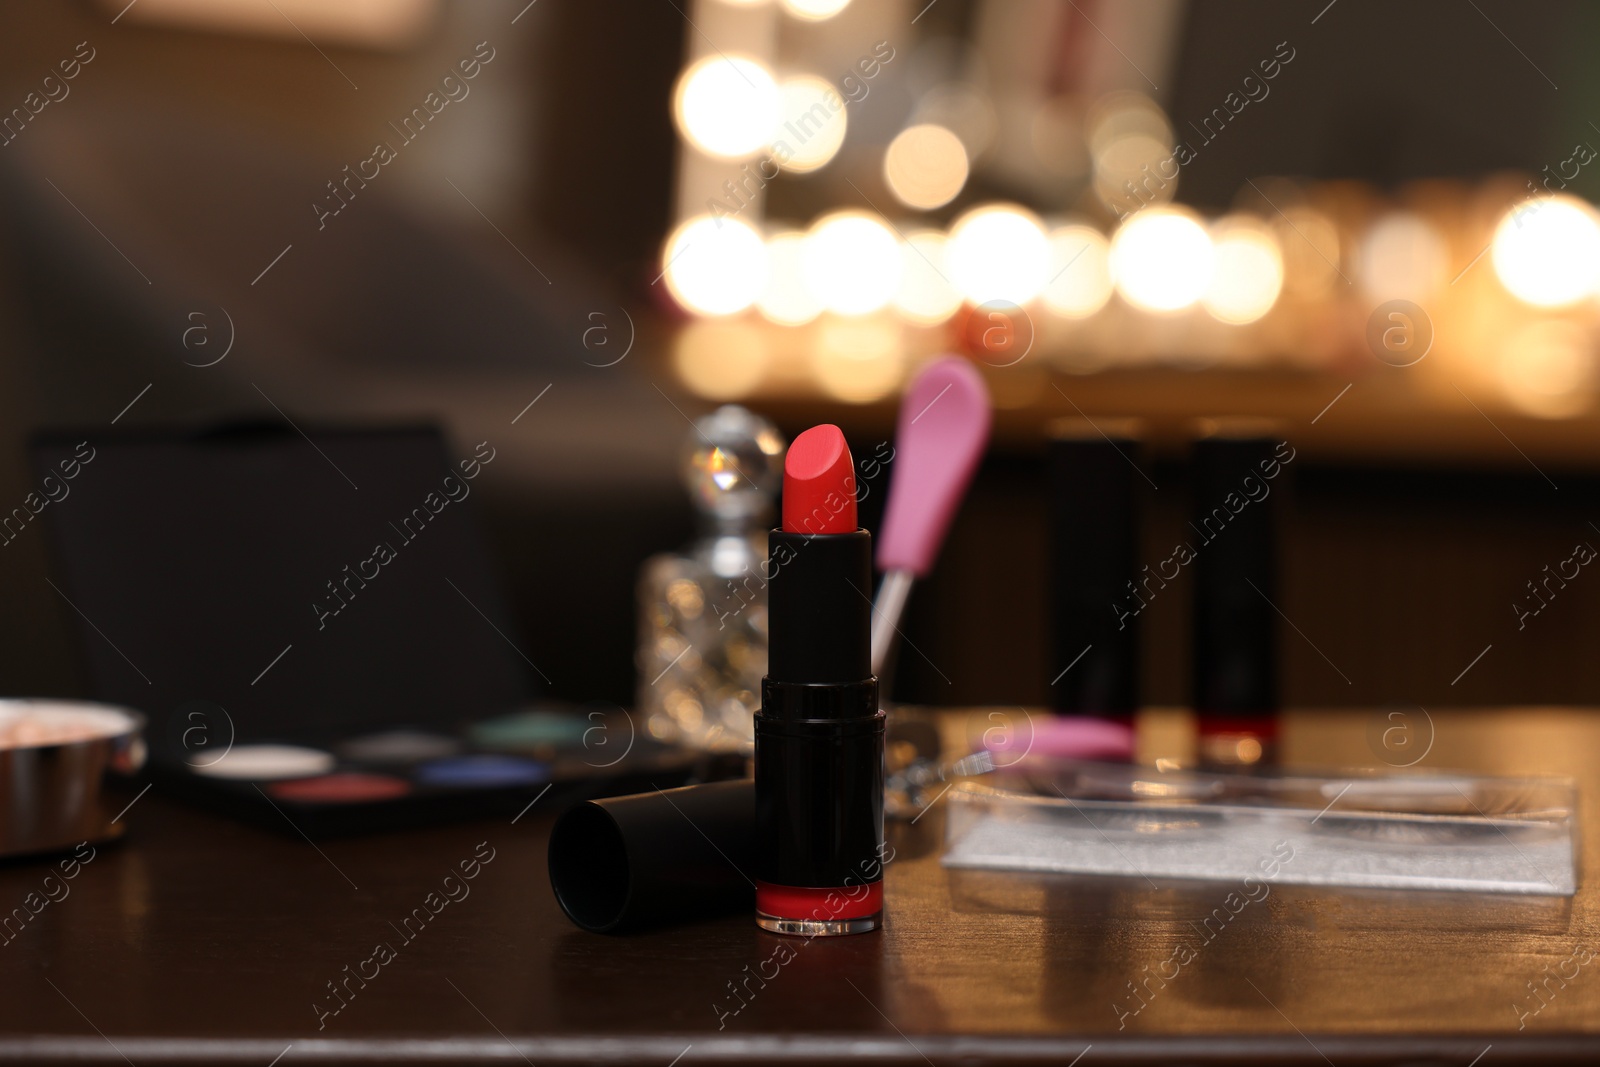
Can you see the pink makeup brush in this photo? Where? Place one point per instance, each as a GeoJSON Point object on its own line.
{"type": "Point", "coordinates": [944, 427]}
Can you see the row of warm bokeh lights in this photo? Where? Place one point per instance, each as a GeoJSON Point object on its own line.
{"type": "Point", "coordinates": [1289, 276]}
{"type": "Point", "coordinates": [856, 263]}
{"type": "Point", "coordinates": [1546, 253]}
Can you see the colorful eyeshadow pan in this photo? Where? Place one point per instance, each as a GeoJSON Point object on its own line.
{"type": "Point", "coordinates": [399, 747]}
{"type": "Point", "coordinates": [263, 763]}
{"type": "Point", "coordinates": [485, 771]}
{"type": "Point", "coordinates": [528, 729]}
{"type": "Point", "coordinates": [347, 788]}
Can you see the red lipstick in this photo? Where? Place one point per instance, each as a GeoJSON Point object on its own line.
{"type": "Point", "coordinates": [819, 484]}
{"type": "Point", "coordinates": [819, 733]}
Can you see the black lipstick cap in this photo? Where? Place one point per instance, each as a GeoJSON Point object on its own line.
{"type": "Point", "coordinates": [626, 863]}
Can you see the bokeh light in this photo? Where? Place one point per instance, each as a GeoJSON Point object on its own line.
{"type": "Point", "coordinates": [858, 360]}
{"type": "Point", "coordinates": [787, 300]}
{"type": "Point", "coordinates": [814, 10]}
{"type": "Point", "coordinates": [721, 359]}
{"type": "Point", "coordinates": [1310, 244]}
{"type": "Point", "coordinates": [1131, 150]}
{"type": "Point", "coordinates": [1547, 369]}
{"type": "Point", "coordinates": [1080, 272]}
{"type": "Point", "coordinates": [925, 166]}
{"type": "Point", "coordinates": [851, 262]}
{"type": "Point", "coordinates": [963, 109]}
{"type": "Point", "coordinates": [998, 252]}
{"type": "Point", "coordinates": [1402, 257]}
{"type": "Point", "coordinates": [1162, 260]}
{"type": "Point", "coordinates": [1135, 171]}
{"type": "Point", "coordinates": [813, 124]}
{"type": "Point", "coordinates": [1248, 272]}
{"type": "Point", "coordinates": [1547, 251]}
{"type": "Point", "coordinates": [715, 266]}
{"type": "Point", "coordinates": [1126, 114]}
{"type": "Point", "coordinates": [926, 294]}
{"type": "Point", "coordinates": [726, 106]}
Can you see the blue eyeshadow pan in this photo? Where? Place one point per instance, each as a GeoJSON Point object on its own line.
{"type": "Point", "coordinates": [483, 771]}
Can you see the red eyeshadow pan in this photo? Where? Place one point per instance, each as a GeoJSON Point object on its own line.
{"type": "Point", "coordinates": [341, 788]}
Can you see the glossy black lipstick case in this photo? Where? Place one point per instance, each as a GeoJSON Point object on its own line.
{"type": "Point", "coordinates": [1095, 536]}
{"type": "Point", "coordinates": [1236, 498]}
{"type": "Point", "coordinates": [819, 742]}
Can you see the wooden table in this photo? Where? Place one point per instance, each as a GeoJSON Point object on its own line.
{"type": "Point", "coordinates": [200, 940]}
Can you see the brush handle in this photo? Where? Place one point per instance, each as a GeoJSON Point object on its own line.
{"type": "Point", "coordinates": [886, 613]}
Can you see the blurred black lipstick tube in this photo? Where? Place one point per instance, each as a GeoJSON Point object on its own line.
{"type": "Point", "coordinates": [1238, 469]}
{"type": "Point", "coordinates": [1094, 552]}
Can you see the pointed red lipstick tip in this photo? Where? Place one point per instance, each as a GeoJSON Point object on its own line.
{"type": "Point", "coordinates": [819, 483]}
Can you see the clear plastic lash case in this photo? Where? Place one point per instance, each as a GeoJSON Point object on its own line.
{"type": "Point", "coordinates": [1420, 831]}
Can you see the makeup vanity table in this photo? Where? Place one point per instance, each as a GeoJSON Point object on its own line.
{"type": "Point", "coordinates": [200, 939]}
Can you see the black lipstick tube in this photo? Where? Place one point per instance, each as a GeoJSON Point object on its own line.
{"type": "Point", "coordinates": [1094, 520]}
{"type": "Point", "coordinates": [819, 742]}
{"type": "Point", "coordinates": [1235, 622]}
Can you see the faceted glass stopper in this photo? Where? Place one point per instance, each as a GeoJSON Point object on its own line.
{"type": "Point", "coordinates": [733, 463]}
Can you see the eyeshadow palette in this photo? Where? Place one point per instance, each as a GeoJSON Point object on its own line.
{"type": "Point", "coordinates": [315, 631]}
{"type": "Point", "coordinates": [409, 777]}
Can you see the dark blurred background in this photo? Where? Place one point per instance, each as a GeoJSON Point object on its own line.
{"type": "Point", "coordinates": [174, 186]}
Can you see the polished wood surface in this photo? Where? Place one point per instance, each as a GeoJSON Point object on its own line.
{"type": "Point", "coordinates": [203, 940]}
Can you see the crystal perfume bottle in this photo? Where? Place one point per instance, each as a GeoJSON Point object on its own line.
{"type": "Point", "coordinates": [703, 612]}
